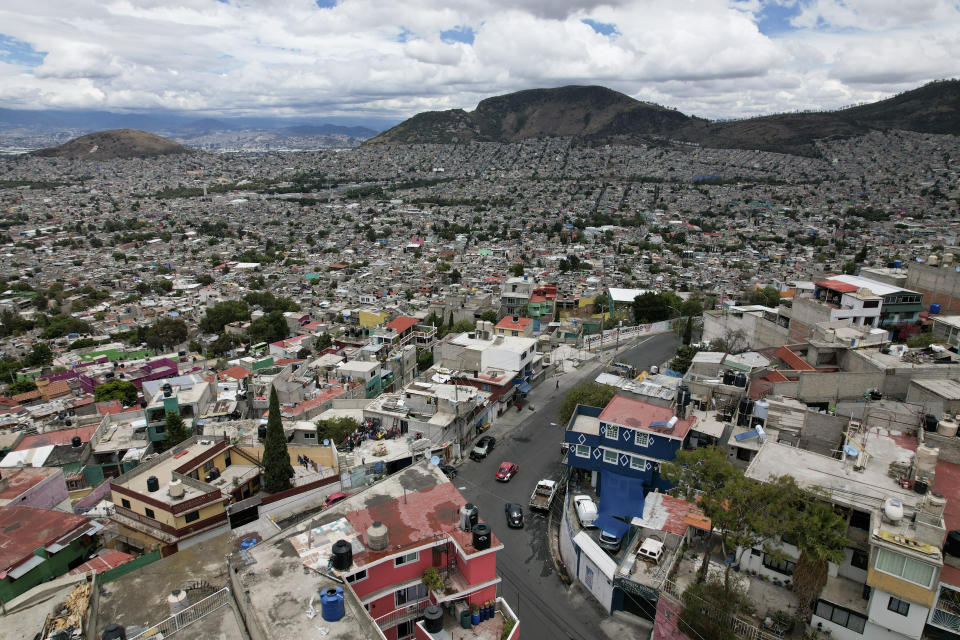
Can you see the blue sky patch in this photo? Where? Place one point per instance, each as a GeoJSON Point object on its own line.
{"type": "Point", "coordinates": [405, 35]}
{"type": "Point", "coordinates": [603, 28]}
{"type": "Point", "coordinates": [775, 18]}
{"type": "Point", "coordinates": [326, 4]}
{"type": "Point", "coordinates": [460, 33]}
{"type": "Point", "coordinates": [14, 51]}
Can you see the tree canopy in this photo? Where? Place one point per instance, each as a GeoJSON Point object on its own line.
{"type": "Point", "coordinates": [176, 430]}
{"type": "Point", "coordinates": [589, 393]}
{"type": "Point", "coordinates": [277, 469]}
{"type": "Point", "coordinates": [654, 307]}
{"type": "Point", "coordinates": [224, 313]}
{"type": "Point", "coordinates": [269, 328]}
{"type": "Point", "coordinates": [123, 390]}
{"type": "Point", "coordinates": [335, 429]}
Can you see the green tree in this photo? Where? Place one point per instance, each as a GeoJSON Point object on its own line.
{"type": "Point", "coordinates": [589, 393]}
{"type": "Point", "coordinates": [335, 430]}
{"type": "Point", "coordinates": [40, 355]}
{"type": "Point", "coordinates": [123, 390]}
{"type": "Point", "coordinates": [654, 307]}
{"type": "Point", "coordinates": [424, 360]}
{"type": "Point", "coordinates": [768, 297]}
{"type": "Point", "coordinates": [489, 316]}
{"type": "Point", "coordinates": [683, 358]}
{"type": "Point", "coordinates": [269, 328]}
{"type": "Point", "coordinates": [23, 385]}
{"type": "Point", "coordinates": [517, 270]}
{"type": "Point", "coordinates": [62, 325]}
{"type": "Point", "coordinates": [820, 534]}
{"type": "Point", "coordinates": [710, 609]}
{"type": "Point", "coordinates": [176, 430]}
{"type": "Point", "coordinates": [277, 469]}
{"type": "Point", "coordinates": [166, 333]}
{"type": "Point", "coordinates": [224, 313]}
{"type": "Point", "coordinates": [325, 341]}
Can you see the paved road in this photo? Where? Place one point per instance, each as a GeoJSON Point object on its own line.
{"type": "Point", "coordinates": [547, 609]}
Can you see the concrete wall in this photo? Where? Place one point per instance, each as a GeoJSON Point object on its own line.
{"type": "Point", "coordinates": [804, 314]}
{"type": "Point", "coordinates": [759, 332]}
{"type": "Point", "coordinates": [821, 433]}
{"type": "Point", "coordinates": [937, 284]}
{"type": "Point", "coordinates": [931, 402]}
{"type": "Point", "coordinates": [814, 386]}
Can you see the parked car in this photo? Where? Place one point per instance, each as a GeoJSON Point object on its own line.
{"type": "Point", "coordinates": [609, 541]}
{"type": "Point", "coordinates": [450, 472]}
{"type": "Point", "coordinates": [507, 470]}
{"type": "Point", "coordinates": [514, 513]}
{"type": "Point", "coordinates": [334, 498]}
{"type": "Point", "coordinates": [586, 511]}
{"type": "Point", "coordinates": [483, 447]}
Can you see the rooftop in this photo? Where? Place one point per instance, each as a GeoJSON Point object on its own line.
{"type": "Point", "coordinates": [638, 414]}
{"type": "Point", "coordinates": [23, 530]}
{"type": "Point", "coordinates": [61, 436]}
{"type": "Point", "coordinates": [518, 324]}
{"type": "Point", "coordinates": [163, 468]}
{"type": "Point", "coordinates": [21, 479]}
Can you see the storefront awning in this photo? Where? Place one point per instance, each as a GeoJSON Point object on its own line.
{"type": "Point", "coordinates": [621, 496]}
{"type": "Point", "coordinates": [524, 387]}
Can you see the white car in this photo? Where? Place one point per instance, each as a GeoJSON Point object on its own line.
{"type": "Point", "coordinates": [586, 510]}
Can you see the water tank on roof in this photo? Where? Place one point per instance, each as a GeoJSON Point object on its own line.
{"type": "Point", "coordinates": [934, 504]}
{"type": "Point", "coordinates": [469, 516]}
{"type": "Point", "coordinates": [898, 264]}
{"type": "Point", "coordinates": [153, 484]}
{"type": "Point", "coordinates": [75, 442]}
{"type": "Point", "coordinates": [262, 431]}
{"type": "Point", "coordinates": [948, 258]}
{"type": "Point", "coordinates": [481, 536]}
{"type": "Point", "coordinates": [930, 422]}
{"type": "Point", "coordinates": [761, 409]}
{"type": "Point", "coordinates": [114, 632]}
{"type": "Point", "coordinates": [342, 555]}
{"type": "Point", "coordinates": [377, 536]}
{"type": "Point", "coordinates": [728, 377]}
{"type": "Point", "coordinates": [893, 510]}
{"type": "Point", "coordinates": [331, 604]}
{"type": "Point", "coordinates": [947, 427]}
{"type": "Point", "coordinates": [740, 380]}
{"type": "Point", "coordinates": [433, 619]}
{"type": "Point", "coordinates": [177, 601]}
{"type": "Point", "coordinates": [934, 308]}
{"type": "Point", "coordinates": [683, 395]}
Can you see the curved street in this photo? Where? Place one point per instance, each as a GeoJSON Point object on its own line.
{"type": "Point", "coordinates": [548, 609]}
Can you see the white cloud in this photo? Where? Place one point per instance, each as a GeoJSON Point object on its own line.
{"type": "Point", "coordinates": [371, 58]}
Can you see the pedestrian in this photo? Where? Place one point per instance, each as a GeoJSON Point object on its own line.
{"type": "Point", "coordinates": [558, 383]}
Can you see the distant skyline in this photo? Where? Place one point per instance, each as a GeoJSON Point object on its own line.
{"type": "Point", "coordinates": [366, 59]}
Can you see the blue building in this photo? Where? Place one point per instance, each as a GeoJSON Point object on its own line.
{"type": "Point", "coordinates": [621, 447]}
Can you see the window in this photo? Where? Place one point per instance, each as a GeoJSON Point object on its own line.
{"type": "Point", "coordinates": [582, 451]}
{"type": "Point", "coordinates": [641, 439]}
{"type": "Point", "coordinates": [871, 304]}
{"type": "Point", "coordinates": [898, 606]}
{"type": "Point", "coordinates": [514, 333]}
{"type": "Point", "coordinates": [785, 567]}
{"type": "Point", "coordinates": [357, 577]}
{"type": "Point", "coordinates": [310, 435]}
{"type": "Point", "coordinates": [860, 559]}
{"type": "Point", "coordinates": [903, 567]}
{"type": "Point", "coordinates": [638, 463]}
{"type": "Point", "coordinates": [405, 629]}
{"type": "Point", "coordinates": [160, 428]}
{"type": "Point", "coordinates": [843, 617]}
{"type": "Point", "coordinates": [193, 516]}
{"type": "Point", "coordinates": [149, 512]}
{"type": "Point", "coordinates": [410, 594]}
{"type": "Point", "coordinates": [406, 559]}
{"type": "Point", "coordinates": [612, 432]}
{"type": "Point", "coordinates": [610, 457]}
{"type": "Point", "coordinates": [124, 503]}
{"type": "Point", "coordinates": [208, 466]}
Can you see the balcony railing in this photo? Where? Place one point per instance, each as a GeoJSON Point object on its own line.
{"type": "Point", "coordinates": [945, 620]}
{"type": "Point", "coordinates": [186, 617]}
{"type": "Point", "coordinates": [403, 614]}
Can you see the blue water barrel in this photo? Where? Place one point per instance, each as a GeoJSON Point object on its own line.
{"type": "Point", "coordinates": [934, 308]}
{"type": "Point", "coordinates": [331, 604]}
{"type": "Point", "coordinates": [898, 264]}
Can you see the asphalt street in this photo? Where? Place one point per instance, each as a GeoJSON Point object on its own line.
{"type": "Point", "coordinates": [548, 610]}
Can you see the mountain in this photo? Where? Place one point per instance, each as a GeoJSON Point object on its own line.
{"type": "Point", "coordinates": [598, 114]}
{"type": "Point", "coordinates": [328, 130]}
{"type": "Point", "coordinates": [116, 143]}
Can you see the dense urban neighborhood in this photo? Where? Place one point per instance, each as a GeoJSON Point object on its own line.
{"type": "Point", "coordinates": [539, 389]}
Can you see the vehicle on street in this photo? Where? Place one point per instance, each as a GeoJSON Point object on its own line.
{"type": "Point", "coordinates": [483, 447]}
{"type": "Point", "coordinates": [507, 470]}
{"type": "Point", "coordinates": [334, 498]}
{"type": "Point", "coordinates": [450, 472]}
{"type": "Point", "coordinates": [609, 541]}
{"type": "Point", "coordinates": [543, 494]}
{"type": "Point", "coordinates": [514, 513]}
{"type": "Point", "coordinates": [586, 511]}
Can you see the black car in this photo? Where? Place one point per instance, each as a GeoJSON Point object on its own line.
{"type": "Point", "coordinates": [483, 447]}
{"type": "Point", "coordinates": [514, 515]}
{"type": "Point", "coordinates": [450, 472]}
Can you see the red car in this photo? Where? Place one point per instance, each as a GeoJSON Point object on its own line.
{"type": "Point", "coordinates": [507, 470]}
{"type": "Point", "coordinates": [334, 498]}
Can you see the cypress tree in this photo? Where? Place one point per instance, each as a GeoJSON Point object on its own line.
{"type": "Point", "coordinates": [176, 430]}
{"type": "Point", "coordinates": [276, 460]}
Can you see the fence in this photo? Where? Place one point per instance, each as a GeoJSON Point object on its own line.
{"type": "Point", "coordinates": [610, 336]}
{"type": "Point", "coordinates": [187, 617]}
{"type": "Point", "coordinates": [744, 629]}
{"type": "Point", "coordinates": [118, 572]}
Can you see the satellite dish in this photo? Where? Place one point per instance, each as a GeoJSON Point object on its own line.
{"type": "Point", "coordinates": [435, 460]}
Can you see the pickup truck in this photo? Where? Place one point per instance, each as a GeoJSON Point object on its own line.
{"type": "Point", "coordinates": [543, 494]}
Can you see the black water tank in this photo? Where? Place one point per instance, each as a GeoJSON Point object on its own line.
{"type": "Point", "coordinates": [740, 380]}
{"type": "Point", "coordinates": [153, 484]}
{"type": "Point", "coordinates": [683, 395]}
{"type": "Point", "coordinates": [342, 555]}
{"type": "Point", "coordinates": [920, 486]}
{"type": "Point", "coordinates": [167, 390]}
{"type": "Point", "coordinates": [75, 441]}
{"type": "Point", "coordinates": [953, 543]}
{"type": "Point", "coordinates": [262, 431]}
{"type": "Point", "coordinates": [875, 395]}
{"type": "Point", "coordinates": [433, 619]}
{"type": "Point", "coordinates": [728, 377]}
{"type": "Point", "coordinates": [114, 632]}
{"type": "Point", "coordinates": [744, 410]}
{"type": "Point", "coordinates": [474, 514]}
{"type": "Point", "coordinates": [930, 422]}
{"type": "Point", "coordinates": [481, 537]}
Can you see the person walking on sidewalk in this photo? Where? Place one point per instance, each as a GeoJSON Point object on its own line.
{"type": "Point", "coordinates": [558, 383]}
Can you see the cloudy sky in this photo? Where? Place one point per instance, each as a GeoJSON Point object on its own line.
{"type": "Point", "coordinates": [377, 58]}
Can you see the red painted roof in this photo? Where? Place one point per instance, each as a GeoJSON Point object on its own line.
{"type": "Point", "coordinates": [111, 407]}
{"type": "Point", "coordinates": [106, 559]}
{"type": "Point", "coordinates": [837, 285]}
{"type": "Point", "coordinates": [414, 520]}
{"type": "Point", "coordinates": [638, 414]}
{"type": "Point", "coordinates": [401, 323]}
{"type": "Point", "coordinates": [20, 479]}
{"type": "Point", "coordinates": [508, 323]}
{"type": "Point", "coordinates": [792, 360]}
{"type": "Point", "coordinates": [236, 372]}
{"type": "Point", "coordinates": [63, 436]}
{"type": "Point", "coordinates": [23, 530]}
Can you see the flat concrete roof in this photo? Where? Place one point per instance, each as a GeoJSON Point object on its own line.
{"type": "Point", "coordinates": [946, 389]}
{"type": "Point", "coordinates": [136, 479]}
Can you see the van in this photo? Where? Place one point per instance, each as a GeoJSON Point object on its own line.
{"type": "Point", "coordinates": [651, 551]}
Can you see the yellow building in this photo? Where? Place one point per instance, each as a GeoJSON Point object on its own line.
{"type": "Point", "coordinates": [182, 494]}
